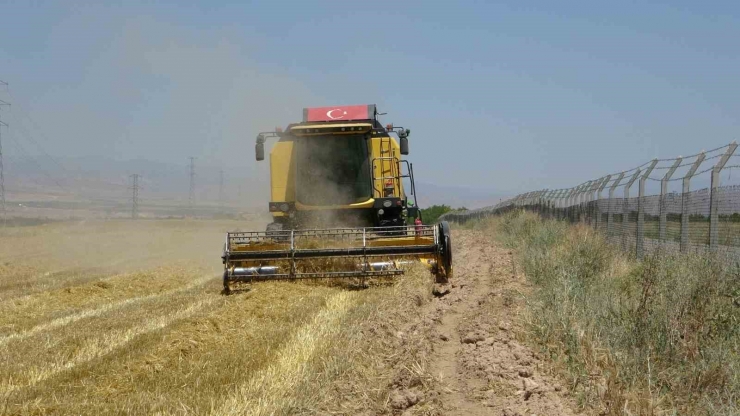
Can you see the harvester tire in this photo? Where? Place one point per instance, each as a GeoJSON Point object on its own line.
{"type": "Point", "coordinates": [227, 288]}
{"type": "Point", "coordinates": [445, 240]}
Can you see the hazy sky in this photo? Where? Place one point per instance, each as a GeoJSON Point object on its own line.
{"type": "Point", "coordinates": [507, 95]}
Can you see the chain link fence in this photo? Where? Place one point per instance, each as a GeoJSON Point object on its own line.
{"type": "Point", "coordinates": [683, 219]}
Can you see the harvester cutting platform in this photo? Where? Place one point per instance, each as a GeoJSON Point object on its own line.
{"type": "Point", "coordinates": [339, 205]}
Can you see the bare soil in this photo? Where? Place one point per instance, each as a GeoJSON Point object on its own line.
{"type": "Point", "coordinates": [476, 326]}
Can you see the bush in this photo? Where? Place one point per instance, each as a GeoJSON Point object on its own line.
{"type": "Point", "coordinates": [652, 336]}
{"type": "Point", "coordinates": [431, 215]}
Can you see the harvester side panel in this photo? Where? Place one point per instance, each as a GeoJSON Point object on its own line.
{"type": "Point", "coordinates": [385, 156]}
{"type": "Point", "coordinates": [282, 172]}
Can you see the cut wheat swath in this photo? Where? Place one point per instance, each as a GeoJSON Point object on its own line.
{"type": "Point", "coordinates": [100, 347]}
{"type": "Point", "coordinates": [60, 322]}
{"type": "Point", "coordinates": [270, 390]}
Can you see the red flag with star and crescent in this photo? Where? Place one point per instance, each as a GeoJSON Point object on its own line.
{"type": "Point", "coordinates": [339, 113]}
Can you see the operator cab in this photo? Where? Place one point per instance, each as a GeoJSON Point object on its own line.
{"type": "Point", "coordinates": [344, 159]}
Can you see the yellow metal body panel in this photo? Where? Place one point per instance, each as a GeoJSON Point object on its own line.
{"type": "Point", "coordinates": [380, 148]}
{"type": "Point", "coordinates": [282, 173]}
{"type": "Point", "coordinates": [358, 205]}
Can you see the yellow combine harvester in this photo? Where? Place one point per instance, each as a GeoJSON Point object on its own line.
{"type": "Point", "coordinates": [339, 205]}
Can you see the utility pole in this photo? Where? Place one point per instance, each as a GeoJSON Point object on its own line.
{"type": "Point", "coordinates": [135, 196]}
{"type": "Point", "coordinates": [2, 172]}
{"type": "Point", "coordinates": [191, 196]}
{"type": "Point", "coordinates": [221, 188]}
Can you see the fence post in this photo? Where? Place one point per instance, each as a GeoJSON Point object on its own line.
{"type": "Point", "coordinates": [571, 196]}
{"type": "Point", "coordinates": [626, 208]}
{"type": "Point", "coordinates": [537, 201]}
{"type": "Point", "coordinates": [663, 196]}
{"type": "Point", "coordinates": [582, 197]}
{"type": "Point", "coordinates": [714, 197]}
{"type": "Point", "coordinates": [538, 198]}
{"type": "Point", "coordinates": [533, 198]}
{"type": "Point", "coordinates": [561, 203]}
{"type": "Point", "coordinates": [685, 202]}
{"type": "Point", "coordinates": [598, 198]}
{"type": "Point", "coordinates": [520, 199]}
{"type": "Point", "coordinates": [587, 196]}
{"type": "Point", "coordinates": [541, 202]}
{"type": "Point", "coordinates": [551, 203]}
{"type": "Point", "coordinates": [577, 203]}
{"type": "Point", "coordinates": [587, 208]}
{"type": "Point", "coordinates": [593, 212]}
{"type": "Point", "coordinates": [610, 205]}
{"type": "Point", "coordinates": [567, 203]}
{"type": "Point", "coordinates": [571, 203]}
{"type": "Point", "coordinates": [640, 240]}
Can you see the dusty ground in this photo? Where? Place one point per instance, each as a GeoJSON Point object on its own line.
{"type": "Point", "coordinates": [122, 317]}
{"type": "Point", "coordinates": [474, 332]}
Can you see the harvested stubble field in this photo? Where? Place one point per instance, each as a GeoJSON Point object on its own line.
{"type": "Point", "coordinates": [127, 318]}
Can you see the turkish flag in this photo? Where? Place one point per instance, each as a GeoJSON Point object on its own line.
{"type": "Point", "coordinates": [339, 113]}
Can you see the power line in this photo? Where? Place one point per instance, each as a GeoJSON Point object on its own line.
{"type": "Point", "coordinates": [2, 173]}
{"type": "Point", "coordinates": [191, 196]}
{"type": "Point", "coordinates": [40, 168]}
{"type": "Point", "coordinates": [135, 196]}
{"type": "Point", "coordinates": [221, 188]}
{"type": "Point", "coordinates": [29, 136]}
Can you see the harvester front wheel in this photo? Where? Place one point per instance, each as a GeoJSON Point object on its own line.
{"type": "Point", "coordinates": [444, 270]}
{"type": "Point", "coordinates": [227, 287]}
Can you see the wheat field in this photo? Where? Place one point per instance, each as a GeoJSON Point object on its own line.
{"type": "Point", "coordinates": [124, 317]}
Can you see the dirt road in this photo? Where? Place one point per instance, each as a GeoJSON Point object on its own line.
{"type": "Point", "coordinates": [484, 368]}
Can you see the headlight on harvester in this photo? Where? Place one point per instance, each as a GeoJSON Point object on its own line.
{"type": "Point", "coordinates": [284, 207]}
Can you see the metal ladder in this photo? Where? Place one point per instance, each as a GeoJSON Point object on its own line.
{"type": "Point", "coordinates": [388, 166]}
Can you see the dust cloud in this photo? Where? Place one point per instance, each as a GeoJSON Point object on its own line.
{"type": "Point", "coordinates": [332, 171]}
{"type": "Point", "coordinates": [153, 91]}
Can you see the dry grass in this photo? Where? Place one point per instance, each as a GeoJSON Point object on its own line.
{"type": "Point", "coordinates": [163, 340]}
{"type": "Point", "coordinates": [653, 337]}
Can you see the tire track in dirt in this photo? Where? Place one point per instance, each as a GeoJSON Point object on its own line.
{"type": "Point", "coordinates": [483, 367]}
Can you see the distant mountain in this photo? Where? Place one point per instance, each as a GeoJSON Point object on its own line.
{"type": "Point", "coordinates": [107, 181]}
{"type": "Point", "coordinates": [456, 196]}
{"type": "Point", "coordinates": [110, 179]}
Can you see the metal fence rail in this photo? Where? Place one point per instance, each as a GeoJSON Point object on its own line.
{"type": "Point", "coordinates": [703, 219]}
